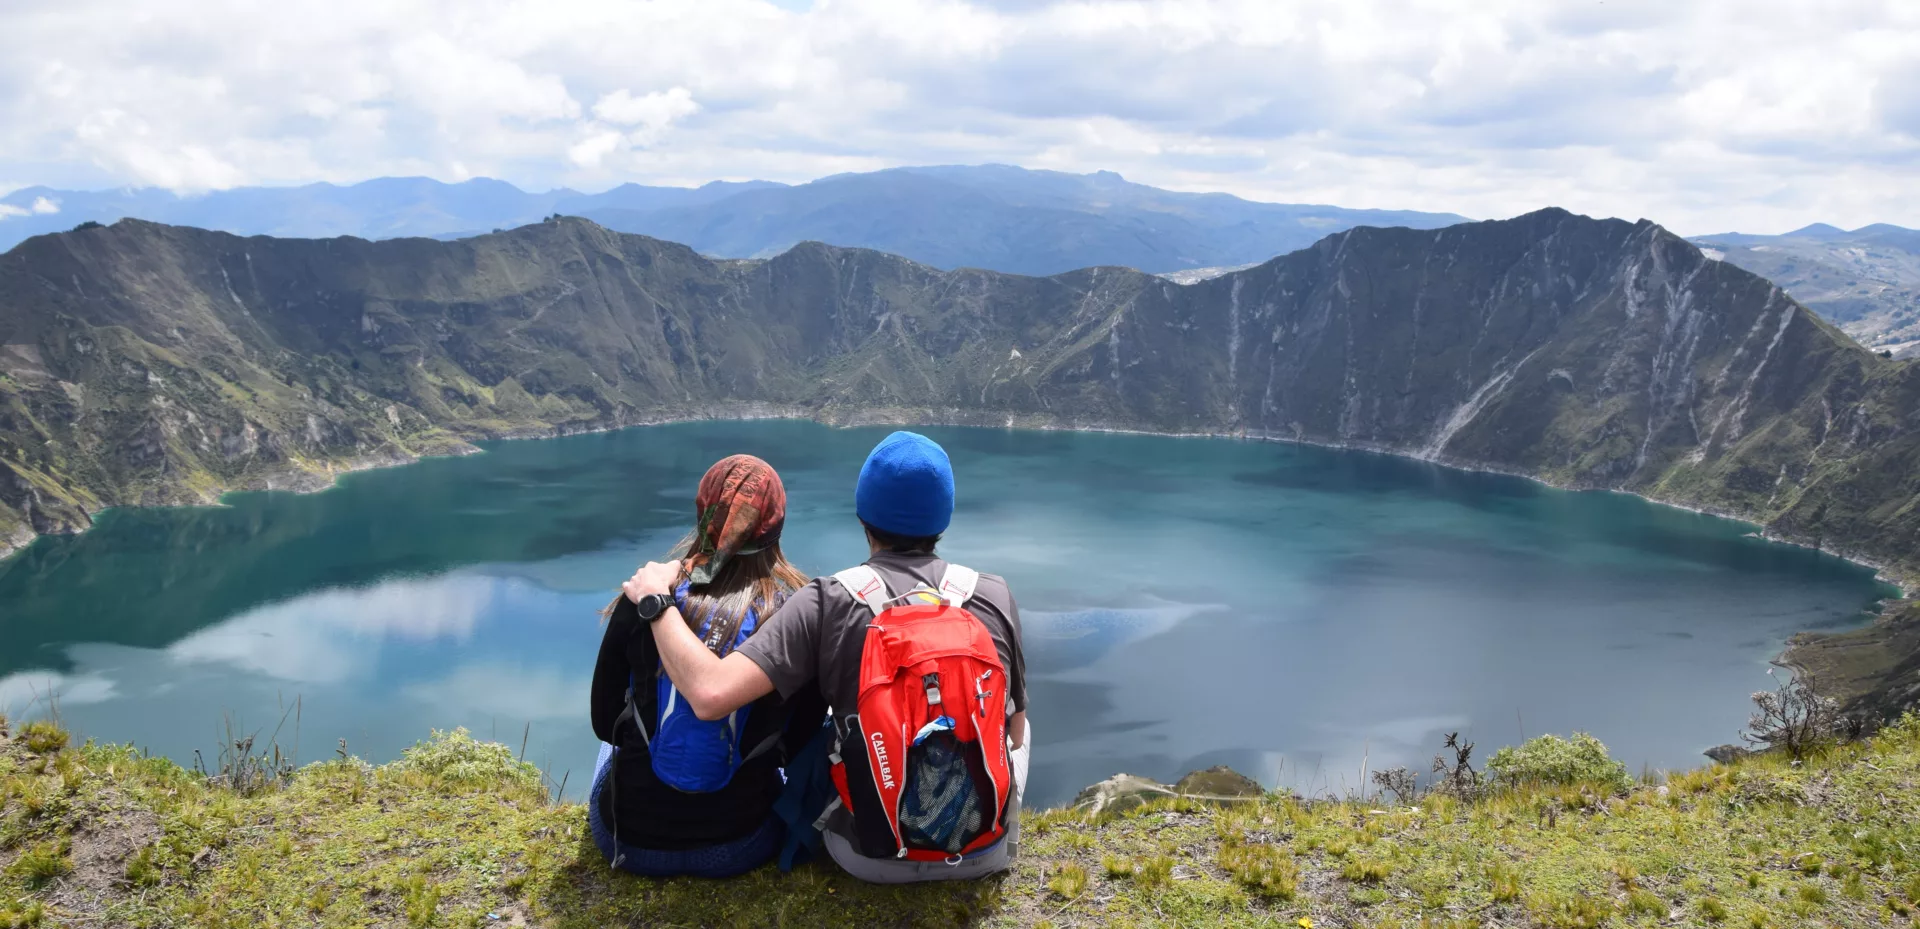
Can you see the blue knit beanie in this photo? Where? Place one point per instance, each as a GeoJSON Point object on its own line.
{"type": "Point", "coordinates": [906, 487]}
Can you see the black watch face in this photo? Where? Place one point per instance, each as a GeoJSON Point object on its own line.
{"type": "Point", "coordinates": [651, 606]}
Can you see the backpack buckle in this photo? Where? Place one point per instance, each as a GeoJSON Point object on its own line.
{"type": "Point", "coordinates": [932, 683]}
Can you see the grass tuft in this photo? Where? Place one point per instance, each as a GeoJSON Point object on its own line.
{"type": "Point", "coordinates": [1068, 882]}
{"type": "Point", "coordinates": [1644, 902]}
{"type": "Point", "coordinates": [1362, 871]}
{"type": "Point", "coordinates": [1504, 882]}
{"type": "Point", "coordinates": [44, 737]}
{"type": "Point", "coordinates": [144, 869]}
{"type": "Point", "coordinates": [42, 864]}
{"type": "Point", "coordinates": [1578, 911]}
{"type": "Point", "coordinates": [32, 795]}
{"type": "Point", "coordinates": [422, 898]}
{"type": "Point", "coordinates": [1854, 887]}
{"type": "Point", "coordinates": [1626, 873]}
{"type": "Point", "coordinates": [25, 916]}
{"type": "Point", "coordinates": [1265, 871]}
{"type": "Point", "coordinates": [457, 761]}
{"type": "Point", "coordinates": [1155, 872]}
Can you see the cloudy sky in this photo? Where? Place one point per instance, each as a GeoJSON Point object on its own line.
{"type": "Point", "coordinates": [1707, 115]}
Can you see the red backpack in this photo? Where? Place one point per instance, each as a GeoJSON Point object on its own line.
{"type": "Point", "coordinates": [933, 781]}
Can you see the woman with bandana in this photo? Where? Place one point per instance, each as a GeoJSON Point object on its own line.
{"type": "Point", "coordinates": [732, 577]}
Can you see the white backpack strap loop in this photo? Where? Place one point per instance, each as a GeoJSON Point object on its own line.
{"type": "Point", "coordinates": [865, 585]}
{"type": "Point", "coordinates": [956, 586]}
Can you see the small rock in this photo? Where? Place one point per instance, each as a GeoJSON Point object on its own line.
{"type": "Point", "coordinates": [1123, 792]}
{"type": "Point", "coordinates": [1120, 793]}
{"type": "Point", "coordinates": [1727, 754]}
{"type": "Point", "coordinates": [1219, 781]}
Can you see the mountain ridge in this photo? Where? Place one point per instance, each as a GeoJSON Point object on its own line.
{"type": "Point", "coordinates": [142, 363]}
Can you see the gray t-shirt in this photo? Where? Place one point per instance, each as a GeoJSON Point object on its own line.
{"type": "Point", "coordinates": [821, 630]}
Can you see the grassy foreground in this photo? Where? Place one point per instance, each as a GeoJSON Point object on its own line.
{"type": "Point", "coordinates": [459, 834]}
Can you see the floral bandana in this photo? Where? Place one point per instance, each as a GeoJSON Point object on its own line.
{"type": "Point", "coordinates": [741, 507]}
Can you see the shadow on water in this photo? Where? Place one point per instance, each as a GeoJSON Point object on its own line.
{"type": "Point", "coordinates": [1539, 515]}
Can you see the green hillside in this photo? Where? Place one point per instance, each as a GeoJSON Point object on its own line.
{"type": "Point", "coordinates": [458, 833]}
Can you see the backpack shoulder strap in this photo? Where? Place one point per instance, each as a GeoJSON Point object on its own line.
{"type": "Point", "coordinates": [631, 713]}
{"type": "Point", "coordinates": [866, 586]}
{"type": "Point", "coordinates": [771, 742]}
{"type": "Point", "coordinates": [956, 586]}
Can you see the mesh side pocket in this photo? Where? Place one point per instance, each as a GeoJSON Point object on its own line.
{"type": "Point", "coordinates": [946, 800]}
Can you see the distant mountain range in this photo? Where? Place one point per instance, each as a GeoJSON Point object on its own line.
{"type": "Point", "coordinates": [1866, 281]}
{"type": "Point", "coordinates": [995, 217]}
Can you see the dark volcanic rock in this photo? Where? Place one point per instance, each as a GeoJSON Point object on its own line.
{"type": "Point", "coordinates": [142, 363]}
{"type": "Point", "coordinates": [1727, 754]}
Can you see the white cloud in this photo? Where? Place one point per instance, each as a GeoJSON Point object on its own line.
{"type": "Point", "coordinates": [653, 111]}
{"type": "Point", "coordinates": [646, 118]}
{"type": "Point", "coordinates": [35, 693]}
{"type": "Point", "coordinates": [590, 151]}
{"type": "Point", "coordinates": [1757, 114]}
{"type": "Point", "coordinates": [315, 638]}
{"type": "Point", "coordinates": [40, 206]}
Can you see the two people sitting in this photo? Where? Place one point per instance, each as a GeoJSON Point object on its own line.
{"type": "Point", "coordinates": [749, 713]}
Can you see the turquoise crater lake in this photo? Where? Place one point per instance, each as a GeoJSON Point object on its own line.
{"type": "Point", "coordinates": [1292, 611]}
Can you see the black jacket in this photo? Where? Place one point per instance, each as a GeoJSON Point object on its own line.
{"type": "Point", "coordinates": [650, 814]}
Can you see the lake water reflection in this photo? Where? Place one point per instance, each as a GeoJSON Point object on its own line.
{"type": "Point", "coordinates": [1288, 610]}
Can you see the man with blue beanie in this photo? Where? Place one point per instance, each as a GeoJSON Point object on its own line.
{"type": "Point", "coordinates": [904, 499]}
{"type": "Point", "coordinates": [906, 488]}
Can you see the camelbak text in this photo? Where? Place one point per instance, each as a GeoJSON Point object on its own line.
{"type": "Point", "coordinates": [880, 753]}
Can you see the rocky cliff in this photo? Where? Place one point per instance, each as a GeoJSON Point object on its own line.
{"type": "Point", "coordinates": [142, 363]}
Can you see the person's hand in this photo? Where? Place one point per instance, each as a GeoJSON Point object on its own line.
{"type": "Point", "coordinates": [654, 577]}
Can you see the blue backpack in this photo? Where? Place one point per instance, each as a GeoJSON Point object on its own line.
{"type": "Point", "coordinates": [691, 754]}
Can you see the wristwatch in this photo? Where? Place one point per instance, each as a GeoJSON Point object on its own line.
{"type": "Point", "coordinates": [652, 606]}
